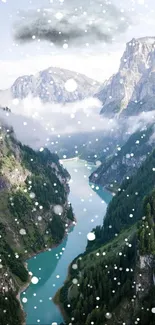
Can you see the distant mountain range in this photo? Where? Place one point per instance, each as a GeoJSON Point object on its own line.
{"type": "Point", "coordinates": [50, 85]}
{"type": "Point", "coordinates": [132, 89]}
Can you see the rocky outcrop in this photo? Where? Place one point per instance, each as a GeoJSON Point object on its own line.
{"type": "Point", "coordinates": [124, 163]}
{"type": "Point", "coordinates": [50, 86]}
{"type": "Point", "coordinates": [144, 275]}
{"type": "Point", "coordinates": [132, 89]}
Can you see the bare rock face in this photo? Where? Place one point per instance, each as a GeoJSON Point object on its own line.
{"type": "Point", "coordinates": [125, 162]}
{"type": "Point", "coordinates": [49, 86]}
{"type": "Point", "coordinates": [132, 89]}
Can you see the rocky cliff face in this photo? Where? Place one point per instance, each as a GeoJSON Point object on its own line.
{"type": "Point", "coordinates": [55, 85]}
{"type": "Point", "coordinates": [125, 163]}
{"type": "Point", "coordinates": [132, 89]}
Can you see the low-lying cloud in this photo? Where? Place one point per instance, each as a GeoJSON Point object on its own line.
{"type": "Point", "coordinates": [80, 116]}
{"type": "Point", "coordinates": [35, 123]}
{"type": "Point", "coordinates": [144, 119]}
{"type": "Point", "coordinates": [26, 130]}
{"type": "Point", "coordinates": [93, 22]}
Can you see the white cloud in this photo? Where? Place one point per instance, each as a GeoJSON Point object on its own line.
{"type": "Point", "coordinates": [81, 116]}
{"type": "Point", "coordinates": [35, 122]}
{"type": "Point", "coordinates": [143, 119]}
{"type": "Point", "coordinates": [27, 130]}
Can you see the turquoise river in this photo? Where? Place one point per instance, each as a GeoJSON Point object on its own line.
{"type": "Point", "coordinates": [89, 203]}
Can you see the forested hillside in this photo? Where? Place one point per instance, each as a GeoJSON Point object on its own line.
{"type": "Point", "coordinates": [34, 212]}
{"type": "Point", "coordinates": [126, 207]}
{"type": "Point", "coordinates": [112, 283]}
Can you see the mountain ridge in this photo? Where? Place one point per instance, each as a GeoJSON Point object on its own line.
{"type": "Point", "coordinates": [50, 85]}
{"type": "Point", "coordinates": [131, 90]}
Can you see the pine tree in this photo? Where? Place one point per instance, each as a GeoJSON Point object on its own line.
{"type": "Point", "coordinates": [142, 241]}
{"type": "Point", "coordinates": [151, 241]}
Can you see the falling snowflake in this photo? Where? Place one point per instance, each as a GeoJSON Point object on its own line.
{"type": "Point", "coordinates": [34, 280]}
{"type": "Point", "coordinates": [91, 236]}
{"type": "Point", "coordinates": [58, 209]}
{"type": "Point", "coordinates": [15, 101]}
{"type": "Point", "coordinates": [32, 195]}
{"type": "Point", "coordinates": [70, 85]}
{"type": "Point", "coordinates": [59, 15]}
{"type": "Point", "coordinates": [22, 232]}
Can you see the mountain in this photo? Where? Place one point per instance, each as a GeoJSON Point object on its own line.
{"type": "Point", "coordinates": [125, 162]}
{"type": "Point", "coordinates": [113, 281]}
{"type": "Point", "coordinates": [34, 212]}
{"type": "Point", "coordinates": [53, 85]}
{"type": "Point", "coordinates": [131, 90]}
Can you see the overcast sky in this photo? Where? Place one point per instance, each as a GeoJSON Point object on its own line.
{"type": "Point", "coordinates": [90, 54]}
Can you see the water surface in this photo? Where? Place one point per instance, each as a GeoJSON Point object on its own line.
{"type": "Point", "coordinates": [51, 266]}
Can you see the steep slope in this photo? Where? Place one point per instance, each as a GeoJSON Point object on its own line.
{"type": "Point", "coordinates": [34, 212]}
{"type": "Point", "coordinates": [126, 207]}
{"type": "Point", "coordinates": [112, 283]}
{"type": "Point", "coordinates": [125, 162]}
{"type": "Point", "coordinates": [131, 90]}
{"type": "Point", "coordinates": [55, 85]}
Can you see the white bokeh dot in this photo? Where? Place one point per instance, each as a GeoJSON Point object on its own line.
{"type": "Point", "coordinates": [70, 85]}
{"type": "Point", "coordinates": [91, 236]}
{"type": "Point", "coordinates": [34, 280]}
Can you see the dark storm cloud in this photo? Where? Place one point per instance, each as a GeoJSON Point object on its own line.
{"type": "Point", "coordinates": [91, 24]}
{"type": "Point", "coordinates": [52, 33]}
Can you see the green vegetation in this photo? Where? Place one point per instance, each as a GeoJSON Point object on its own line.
{"type": "Point", "coordinates": [31, 184]}
{"type": "Point", "coordinates": [102, 288]}
{"type": "Point", "coordinates": [10, 312]}
{"type": "Point", "coordinates": [37, 161]}
{"type": "Point", "coordinates": [57, 228]}
{"type": "Point", "coordinates": [103, 279]}
{"type": "Point", "coordinates": [105, 290]}
{"type": "Point", "coordinates": [21, 203]}
{"type": "Point", "coordinates": [146, 232]}
{"type": "Point", "coordinates": [70, 214]}
{"type": "Point", "coordinates": [127, 206]}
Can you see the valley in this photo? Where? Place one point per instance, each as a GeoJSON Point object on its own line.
{"type": "Point", "coordinates": [113, 281]}
{"type": "Point", "coordinates": [85, 225]}
{"type": "Point", "coordinates": [51, 267]}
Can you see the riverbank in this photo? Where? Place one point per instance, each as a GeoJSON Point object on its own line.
{"type": "Point", "coordinates": [73, 159]}
{"type": "Point", "coordinates": [22, 288]}
{"type": "Point", "coordinates": [78, 160]}
{"type": "Point", "coordinates": [25, 286]}
{"type": "Point", "coordinates": [57, 302]}
{"type": "Point", "coordinates": [54, 266]}
{"type": "Point", "coordinates": [107, 188]}
{"type": "Point", "coordinates": [56, 298]}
